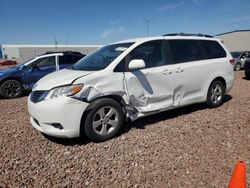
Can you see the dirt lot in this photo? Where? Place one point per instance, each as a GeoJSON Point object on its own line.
{"type": "Point", "coordinates": [188, 147]}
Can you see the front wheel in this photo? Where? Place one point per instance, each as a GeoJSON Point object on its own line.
{"type": "Point", "coordinates": [11, 89]}
{"type": "Point", "coordinates": [215, 95]}
{"type": "Point", "coordinates": [104, 119]}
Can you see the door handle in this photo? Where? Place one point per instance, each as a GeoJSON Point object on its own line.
{"type": "Point", "coordinates": [166, 72]}
{"type": "Point", "coordinates": [179, 70]}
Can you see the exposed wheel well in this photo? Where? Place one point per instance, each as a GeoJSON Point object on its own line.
{"type": "Point", "coordinates": [117, 98]}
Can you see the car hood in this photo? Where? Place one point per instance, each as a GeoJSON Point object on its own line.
{"type": "Point", "coordinates": [59, 78]}
{"type": "Point", "coordinates": [8, 70]}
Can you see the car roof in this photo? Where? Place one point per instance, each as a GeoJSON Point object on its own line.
{"type": "Point", "coordinates": [144, 39]}
{"type": "Point", "coordinates": [50, 53]}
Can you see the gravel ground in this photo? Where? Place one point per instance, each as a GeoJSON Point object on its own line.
{"type": "Point", "coordinates": [188, 147]}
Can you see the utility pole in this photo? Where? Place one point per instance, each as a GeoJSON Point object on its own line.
{"type": "Point", "coordinates": [147, 22]}
{"type": "Point", "coordinates": [67, 38]}
{"type": "Point", "coordinates": [55, 43]}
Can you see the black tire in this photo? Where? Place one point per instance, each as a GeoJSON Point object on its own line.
{"type": "Point", "coordinates": [216, 94]}
{"type": "Point", "coordinates": [99, 128]}
{"type": "Point", "coordinates": [237, 66]}
{"type": "Point", "coordinates": [247, 74]}
{"type": "Point", "coordinates": [10, 89]}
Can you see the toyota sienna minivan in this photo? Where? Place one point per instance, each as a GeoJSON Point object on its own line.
{"type": "Point", "coordinates": [128, 80]}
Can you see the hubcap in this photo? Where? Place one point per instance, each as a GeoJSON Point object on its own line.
{"type": "Point", "coordinates": [238, 67]}
{"type": "Point", "coordinates": [11, 89]}
{"type": "Point", "coordinates": [216, 94]}
{"type": "Point", "coordinates": [105, 120]}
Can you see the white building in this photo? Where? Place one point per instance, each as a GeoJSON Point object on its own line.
{"type": "Point", "coordinates": [22, 53]}
{"type": "Point", "coordinates": [236, 40]}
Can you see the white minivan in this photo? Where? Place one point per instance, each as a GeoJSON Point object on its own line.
{"type": "Point", "coordinates": [128, 80]}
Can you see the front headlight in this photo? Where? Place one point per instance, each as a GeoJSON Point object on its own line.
{"type": "Point", "coordinates": [64, 91]}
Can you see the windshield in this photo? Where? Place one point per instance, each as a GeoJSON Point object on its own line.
{"type": "Point", "coordinates": [236, 54]}
{"type": "Point", "coordinates": [25, 62]}
{"type": "Point", "coordinates": [101, 58]}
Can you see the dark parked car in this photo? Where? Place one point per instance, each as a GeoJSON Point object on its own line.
{"type": "Point", "coordinates": [247, 67]}
{"type": "Point", "coordinates": [7, 62]}
{"type": "Point", "coordinates": [15, 80]}
{"type": "Point", "coordinates": [239, 58]}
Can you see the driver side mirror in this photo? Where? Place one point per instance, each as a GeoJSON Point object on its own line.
{"type": "Point", "coordinates": [136, 64]}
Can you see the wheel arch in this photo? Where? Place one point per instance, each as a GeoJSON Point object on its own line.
{"type": "Point", "coordinates": [218, 78]}
{"type": "Point", "coordinates": [10, 78]}
{"type": "Point", "coordinates": [116, 98]}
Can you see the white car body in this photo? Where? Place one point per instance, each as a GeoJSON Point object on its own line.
{"type": "Point", "coordinates": [143, 92]}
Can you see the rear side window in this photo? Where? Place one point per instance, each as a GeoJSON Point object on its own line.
{"type": "Point", "coordinates": [213, 49]}
{"type": "Point", "coordinates": [68, 59]}
{"type": "Point", "coordinates": [185, 50]}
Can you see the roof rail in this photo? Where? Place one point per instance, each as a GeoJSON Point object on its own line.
{"type": "Point", "coordinates": [188, 34]}
{"type": "Point", "coordinates": [74, 52]}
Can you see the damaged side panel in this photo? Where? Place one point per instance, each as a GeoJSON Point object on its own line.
{"type": "Point", "coordinates": [149, 90]}
{"type": "Point", "coordinates": [105, 85]}
{"type": "Point", "coordinates": [102, 85]}
{"type": "Point", "coordinates": [144, 91]}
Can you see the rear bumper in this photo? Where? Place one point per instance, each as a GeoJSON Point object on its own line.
{"type": "Point", "coordinates": [230, 82]}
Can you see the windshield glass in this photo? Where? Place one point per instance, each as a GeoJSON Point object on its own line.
{"type": "Point", "coordinates": [25, 62]}
{"type": "Point", "coordinates": [101, 58]}
{"type": "Point", "coordinates": [235, 54]}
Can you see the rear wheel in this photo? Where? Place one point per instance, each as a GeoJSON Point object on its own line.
{"type": "Point", "coordinates": [237, 66]}
{"type": "Point", "coordinates": [215, 95]}
{"type": "Point", "coordinates": [11, 89]}
{"type": "Point", "coordinates": [247, 74]}
{"type": "Point", "coordinates": [104, 119]}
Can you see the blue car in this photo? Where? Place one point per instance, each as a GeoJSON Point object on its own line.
{"type": "Point", "coordinates": [14, 81]}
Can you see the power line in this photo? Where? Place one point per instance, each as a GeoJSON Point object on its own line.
{"type": "Point", "coordinates": [207, 16]}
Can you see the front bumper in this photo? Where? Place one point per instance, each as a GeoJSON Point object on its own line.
{"type": "Point", "coordinates": [59, 117]}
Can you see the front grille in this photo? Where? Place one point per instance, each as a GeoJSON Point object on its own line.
{"type": "Point", "coordinates": [37, 96]}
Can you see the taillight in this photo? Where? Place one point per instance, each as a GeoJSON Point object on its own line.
{"type": "Point", "coordinates": [232, 61]}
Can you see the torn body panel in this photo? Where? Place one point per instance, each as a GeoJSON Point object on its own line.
{"type": "Point", "coordinates": [102, 85]}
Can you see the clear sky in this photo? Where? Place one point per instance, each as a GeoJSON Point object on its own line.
{"type": "Point", "coordinates": [105, 21]}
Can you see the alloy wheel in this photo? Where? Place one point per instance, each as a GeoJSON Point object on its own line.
{"type": "Point", "coordinates": [11, 89]}
{"type": "Point", "coordinates": [216, 94]}
{"type": "Point", "coordinates": [105, 120]}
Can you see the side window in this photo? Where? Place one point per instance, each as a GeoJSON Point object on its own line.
{"type": "Point", "coordinates": [248, 54]}
{"type": "Point", "coordinates": [213, 49]}
{"type": "Point", "coordinates": [185, 50]}
{"type": "Point", "coordinates": [245, 55]}
{"type": "Point", "coordinates": [77, 58]}
{"type": "Point", "coordinates": [66, 59]}
{"type": "Point", "coordinates": [151, 52]}
{"type": "Point", "coordinates": [45, 62]}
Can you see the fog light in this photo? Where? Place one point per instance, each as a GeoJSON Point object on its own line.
{"type": "Point", "coordinates": [36, 121]}
{"type": "Point", "coordinates": [57, 125]}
